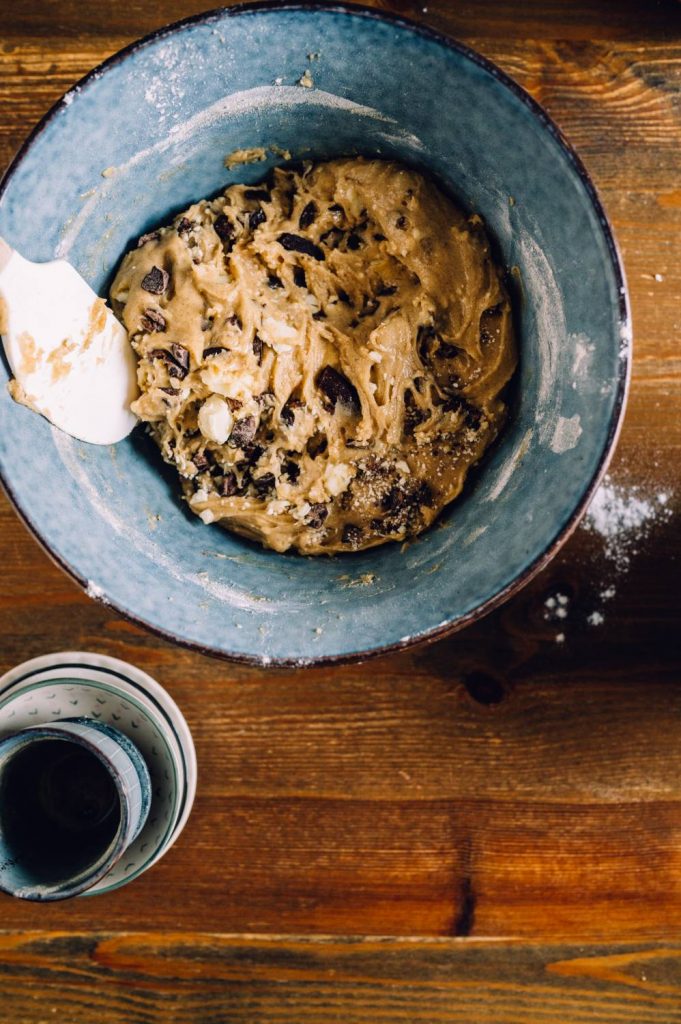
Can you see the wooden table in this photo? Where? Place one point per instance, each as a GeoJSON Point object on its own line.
{"type": "Point", "coordinates": [507, 803]}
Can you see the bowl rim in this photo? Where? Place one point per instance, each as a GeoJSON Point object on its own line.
{"type": "Point", "coordinates": [446, 629]}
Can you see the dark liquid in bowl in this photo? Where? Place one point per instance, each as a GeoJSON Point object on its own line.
{"type": "Point", "coordinates": [59, 810]}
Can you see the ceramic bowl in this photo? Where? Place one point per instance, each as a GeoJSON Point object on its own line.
{"type": "Point", "coordinates": [374, 84]}
{"type": "Point", "coordinates": [79, 684]}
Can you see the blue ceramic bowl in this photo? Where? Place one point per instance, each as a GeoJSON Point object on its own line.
{"type": "Point", "coordinates": [147, 133]}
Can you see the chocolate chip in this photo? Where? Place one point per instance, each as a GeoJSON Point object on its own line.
{"type": "Point", "coordinates": [224, 229]}
{"type": "Point", "coordinates": [296, 243]}
{"type": "Point", "coordinates": [200, 461]}
{"type": "Point", "coordinates": [233, 403]}
{"type": "Point", "coordinates": [150, 236]}
{"type": "Point", "coordinates": [257, 348]}
{"type": "Point", "coordinates": [299, 278]}
{"type": "Point", "coordinates": [337, 388]}
{"type": "Point", "coordinates": [413, 413]}
{"type": "Point", "coordinates": [332, 238]}
{"type": "Point", "coordinates": [228, 487]}
{"type": "Point", "coordinates": [308, 216]}
{"type": "Point", "coordinates": [184, 226]}
{"type": "Point", "coordinates": [394, 500]}
{"type": "Point", "coordinates": [258, 195]}
{"type": "Point", "coordinates": [344, 298]}
{"type": "Point", "coordinates": [471, 414]}
{"type": "Point", "coordinates": [316, 445]}
{"type": "Point", "coordinates": [264, 484]}
{"type": "Point", "coordinates": [354, 241]}
{"type": "Point", "coordinates": [290, 469]}
{"type": "Point", "coordinates": [447, 351]}
{"type": "Point", "coordinates": [176, 357]}
{"type": "Point", "coordinates": [378, 237]}
{"type": "Point", "coordinates": [369, 308]}
{"type": "Point", "coordinates": [153, 320]}
{"type": "Point", "coordinates": [274, 281]}
{"type": "Point", "coordinates": [170, 391]}
{"type": "Point", "coordinates": [243, 432]}
{"type": "Point", "coordinates": [319, 315]}
{"type": "Point", "coordinates": [257, 218]}
{"type": "Point", "coordinates": [401, 222]}
{"type": "Point", "coordinates": [386, 289]}
{"type": "Point", "coordinates": [288, 414]}
{"type": "Point", "coordinates": [156, 281]}
{"type": "Point", "coordinates": [214, 350]}
{"type": "Point", "coordinates": [316, 516]}
{"type": "Point", "coordinates": [352, 534]}
{"type": "Point", "coordinates": [425, 339]}
{"type": "Point", "coordinates": [424, 494]}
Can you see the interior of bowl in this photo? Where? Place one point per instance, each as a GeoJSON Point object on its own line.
{"type": "Point", "coordinates": [148, 134]}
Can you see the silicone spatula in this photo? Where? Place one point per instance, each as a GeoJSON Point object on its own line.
{"type": "Point", "coordinates": [70, 357]}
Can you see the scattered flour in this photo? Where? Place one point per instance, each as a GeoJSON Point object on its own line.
{"type": "Point", "coordinates": [624, 517]}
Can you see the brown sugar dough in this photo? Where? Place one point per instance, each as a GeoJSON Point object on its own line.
{"type": "Point", "coordinates": [320, 356]}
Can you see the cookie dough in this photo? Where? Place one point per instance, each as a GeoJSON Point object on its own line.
{"type": "Point", "coordinates": [320, 356]}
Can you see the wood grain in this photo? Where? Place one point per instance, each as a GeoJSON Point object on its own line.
{"type": "Point", "coordinates": [499, 783]}
{"type": "Point", "coordinates": [200, 977]}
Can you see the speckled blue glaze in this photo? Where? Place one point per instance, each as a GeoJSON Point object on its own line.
{"type": "Point", "coordinates": [162, 116]}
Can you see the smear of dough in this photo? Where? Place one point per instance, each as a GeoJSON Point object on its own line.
{"type": "Point", "coordinates": [245, 156]}
{"type": "Point", "coordinates": [354, 325]}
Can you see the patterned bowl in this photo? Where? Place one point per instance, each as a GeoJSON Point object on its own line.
{"type": "Point", "coordinates": [112, 692]}
{"type": "Point", "coordinates": [320, 81]}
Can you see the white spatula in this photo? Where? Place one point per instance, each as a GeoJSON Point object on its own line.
{"type": "Point", "coordinates": [70, 356]}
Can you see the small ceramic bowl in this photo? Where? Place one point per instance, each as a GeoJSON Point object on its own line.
{"type": "Point", "coordinates": [110, 691]}
{"type": "Point", "coordinates": [77, 793]}
{"type": "Point", "coordinates": [319, 81]}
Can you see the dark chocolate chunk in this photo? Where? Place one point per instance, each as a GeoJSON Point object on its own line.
{"type": "Point", "coordinates": [316, 445]}
{"type": "Point", "coordinates": [264, 484]}
{"type": "Point", "coordinates": [274, 281]}
{"type": "Point", "coordinates": [296, 243]}
{"type": "Point", "coordinates": [424, 495]}
{"type": "Point", "coordinates": [176, 357]}
{"type": "Point", "coordinates": [352, 534]}
{"type": "Point", "coordinates": [394, 500]}
{"type": "Point", "coordinates": [153, 320]}
{"type": "Point", "coordinates": [354, 241]}
{"type": "Point", "coordinates": [228, 487]}
{"type": "Point", "coordinates": [401, 222]}
{"type": "Point", "coordinates": [386, 289]}
{"type": "Point", "coordinates": [243, 432]}
{"type": "Point", "coordinates": [258, 195]}
{"type": "Point", "coordinates": [471, 414]}
{"type": "Point", "coordinates": [184, 226]}
{"type": "Point", "coordinates": [200, 461]}
{"type": "Point", "coordinates": [150, 236]}
{"type": "Point", "coordinates": [413, 413]}
{"type": "Point", "coordinates": [288, 414]}
{"type": "Point", "coordinates": [316, 516]}
{"type": "Point", "coordinates": [214, 350]}
{"type": "Point", "coordinates": [369, 308]}
{"type": "Point", "coordinates": [257, 348]}
{"type": "Point", "coordinates": [224, 229]}
{"type": "Point", "coordinates": [425, 340]}
{"type": "Point", "coordinates": [169, 391]}
{"type": "Point", "coordinates": [337, 388]}
{"type": "Point", "coordinates": [332, 238]}
{"type": "Point", "coordinates": [308, 216]}
{"type": "Point", "coordinates": [256, 218]}
{"type": "Point", "coordinates": [447, 351]}
{"type": "Point", "coordinates": [344, 298]}
{"type": "Point", "coordinates": [319, 315]}
{"type": "Point", "coordinates": [378, 237]}
{"type": "Point", "coordinates": [233, 403]}
{"type": "Point", "coordinates": [299, 278]}
{"type": "Point", "coordinates": [252, 453]}
{"type": "Point", "coordinates": [156, 281]}
{"type": "Point", "coordinates": [290, 469]}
